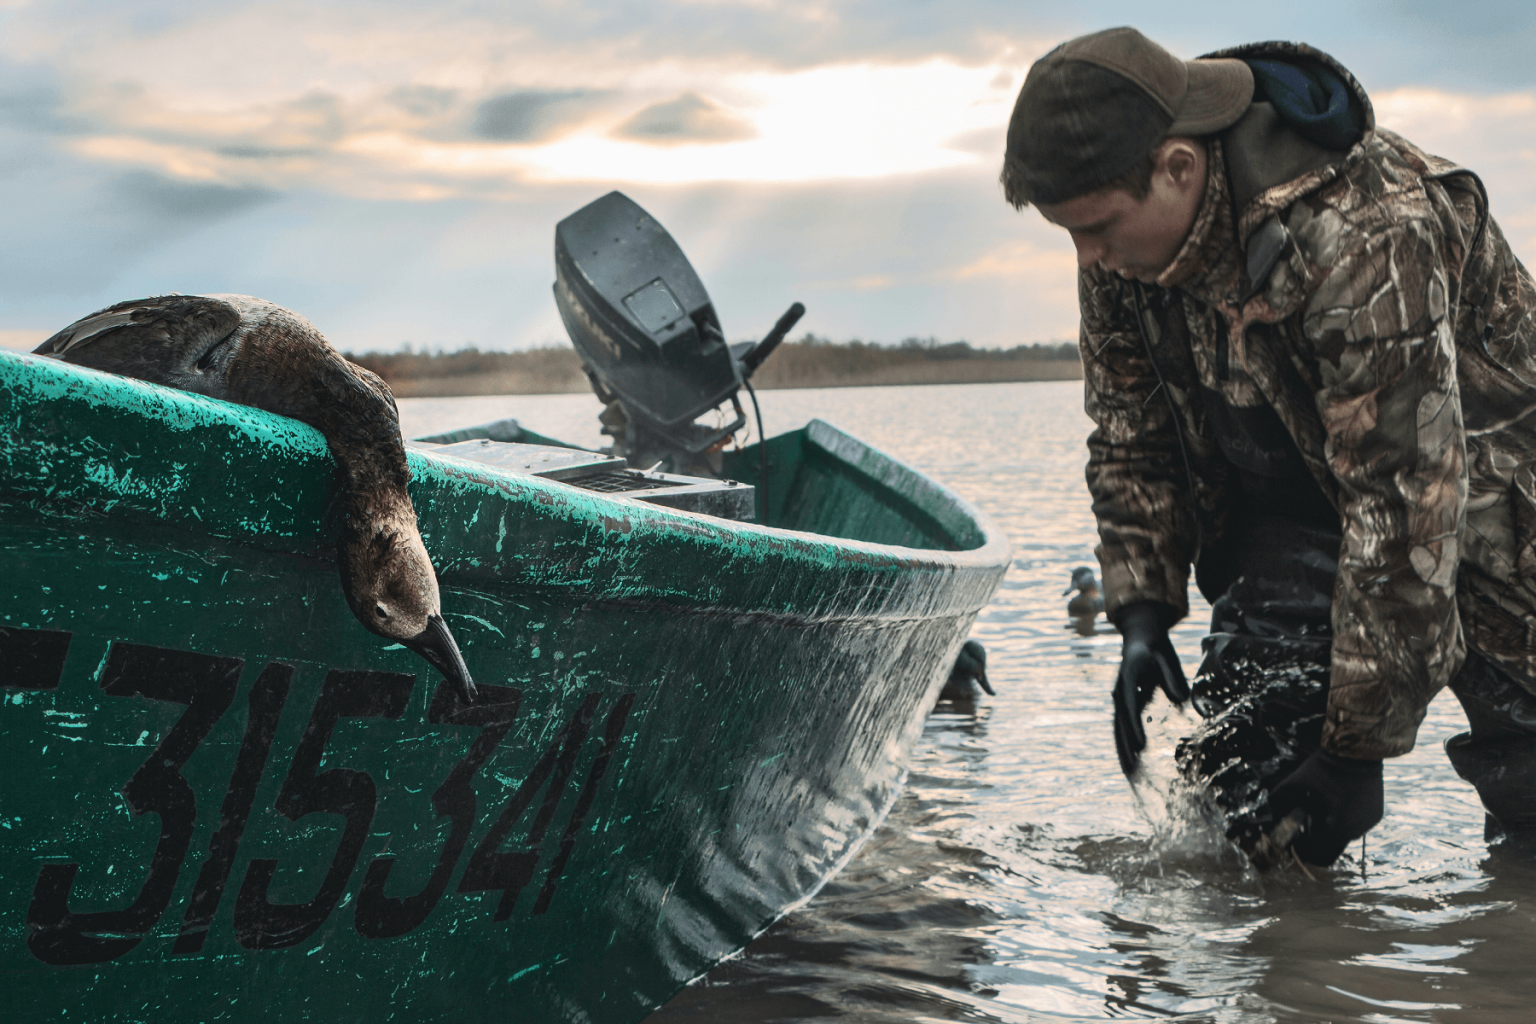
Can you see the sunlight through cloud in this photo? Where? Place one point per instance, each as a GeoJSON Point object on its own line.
{"type": "Point", "coordinates": [826, 123]}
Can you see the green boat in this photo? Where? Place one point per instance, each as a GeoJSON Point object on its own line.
{"type": "Point", "coordinates": [225, 800]}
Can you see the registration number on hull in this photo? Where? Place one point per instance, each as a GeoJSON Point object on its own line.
{"type": "Point", "coordinates": [206, 685]}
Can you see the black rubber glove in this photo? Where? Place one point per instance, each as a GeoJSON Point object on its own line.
{"type": "Point", "coordinates": [1339, 799]}
{"type": "Point", "coordinates": [1147, 660]}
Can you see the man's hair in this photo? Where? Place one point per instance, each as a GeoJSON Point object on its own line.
{"type": "Point", "coordinates": [1137, 180]}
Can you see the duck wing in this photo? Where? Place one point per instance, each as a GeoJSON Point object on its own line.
{"type": "Point", "coordinates": [164, 339]}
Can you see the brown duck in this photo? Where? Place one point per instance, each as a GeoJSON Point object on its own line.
{"type": "Point", "coordinates": [247, 350]}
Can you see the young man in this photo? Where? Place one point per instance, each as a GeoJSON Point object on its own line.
{"type": "Point", "coordinates": [1311, 357]}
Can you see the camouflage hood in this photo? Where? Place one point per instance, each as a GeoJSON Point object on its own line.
{"type": "Point", "coordinates": [1303, 56]}
{"type": "Point", "coordinates": [1373, 304]}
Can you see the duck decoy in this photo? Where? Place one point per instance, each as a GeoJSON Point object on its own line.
{"type": "Point", "coordinates": [970, 671]}
{"type": "Point", "coordinates": [253, 352]}
{"type": "Point", "coordinates": [1088, 601]}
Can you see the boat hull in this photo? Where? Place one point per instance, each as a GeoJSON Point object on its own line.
{"type": "Point", "coordinates": [229, 801]}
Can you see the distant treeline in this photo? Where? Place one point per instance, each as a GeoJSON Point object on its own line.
{"type": "Point", "coordinates": [809, 362]}
{"type": "Point", "coordinates": [470, 371]}
{"type": "Point", "coordinates": [814, 362]}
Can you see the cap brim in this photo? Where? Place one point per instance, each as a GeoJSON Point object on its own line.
{"type": "Point", "coordinates": [1220, 91]}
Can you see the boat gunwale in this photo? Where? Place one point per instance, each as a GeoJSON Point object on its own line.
{"type": "Point", "coordinates": [32, 380]}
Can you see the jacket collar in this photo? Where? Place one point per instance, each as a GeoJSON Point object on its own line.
{"type": "Point", "coordinates": [1277, 199]}
{"type": "Point", "coordinates": [1207, 265]}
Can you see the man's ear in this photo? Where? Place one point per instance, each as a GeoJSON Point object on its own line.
{"type": "Point", "coordinates": [1183, 161]}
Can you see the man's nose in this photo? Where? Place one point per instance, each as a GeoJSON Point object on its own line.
{"type": "Point", "coordinates": [1090, 253]}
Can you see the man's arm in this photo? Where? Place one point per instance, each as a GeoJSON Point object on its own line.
{"type": "Point", "coordinates": [1140, 484]}
{"type": "Point", "coordinates": [1382, 334]}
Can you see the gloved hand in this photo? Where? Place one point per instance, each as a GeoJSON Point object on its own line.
{"type": "Point", "coordinates": [1339, 799]}
{"type": "Point", "coordinates": [1147, 660]}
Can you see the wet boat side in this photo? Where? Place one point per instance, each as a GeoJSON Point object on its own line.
{"type": "Point", "coordinates": [229, 800]}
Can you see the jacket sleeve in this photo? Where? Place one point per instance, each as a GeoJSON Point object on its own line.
{"type": "Point", "coordinates": [1381, 329]}
{"type": "Point", "coordinates": [1136, 470]}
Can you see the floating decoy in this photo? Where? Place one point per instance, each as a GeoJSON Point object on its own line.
{"type": "Point", "coordinates": [250, 351]}
{"type": "Point", "coordinates": [1088, 601]}
{"type": "Point", "coordinates": [970, 670]}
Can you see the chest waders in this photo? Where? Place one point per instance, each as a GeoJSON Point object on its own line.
{"type": "Point", "coordinates": [1262, 686]}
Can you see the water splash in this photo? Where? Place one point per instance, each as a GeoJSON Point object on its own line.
{"type": "Point", "coordinates": [1188, 828]}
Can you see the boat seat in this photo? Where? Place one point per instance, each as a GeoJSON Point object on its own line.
{"type": "Point", "coordinates": [594, 471]}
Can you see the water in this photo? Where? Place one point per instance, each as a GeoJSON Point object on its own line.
{"type": "Point", "coordinates": [1015, 879]}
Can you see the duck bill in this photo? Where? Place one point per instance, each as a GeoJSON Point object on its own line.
{"type": "Point", "coordinates": [981, 677]}
{"type": "Point", "coordinates": [436, 645]}
{"type": "Point", "coordinates": [1069, 590]}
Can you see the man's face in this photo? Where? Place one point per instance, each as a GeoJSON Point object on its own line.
{"type": "Point", "coordinates": [1135, 238]}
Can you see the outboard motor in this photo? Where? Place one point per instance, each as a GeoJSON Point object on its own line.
{"type": "Point", "coordinates": [649, 338]}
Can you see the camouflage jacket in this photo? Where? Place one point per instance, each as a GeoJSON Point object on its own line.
{"type": "Point", "coordinates": [1394, 335]}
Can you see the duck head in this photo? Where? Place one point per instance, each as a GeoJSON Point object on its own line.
{"type": "Point", "coordinates": [1082, 579]}
{"type": "Point", "coordinates": [971, 663]}
{"type": "Point", "coordinates": [391, 587]}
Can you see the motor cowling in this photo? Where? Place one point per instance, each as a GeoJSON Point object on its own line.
{"type": "Point", "coordinates": [647, 333]}
{"type": "Point", "coordinates": [638, 314]}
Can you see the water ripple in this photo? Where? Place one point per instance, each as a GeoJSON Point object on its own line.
{"type": "Point", "coordinates": [1016, 880]}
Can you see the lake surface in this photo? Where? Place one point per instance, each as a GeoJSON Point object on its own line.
{"type": "Point", "coordinates": [1016, 880]}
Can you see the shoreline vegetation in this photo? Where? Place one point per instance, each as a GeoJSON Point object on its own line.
{"type": "Point", "coordinates": [810, 362]}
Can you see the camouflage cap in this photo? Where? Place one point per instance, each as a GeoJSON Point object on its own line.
{"type": "Point", "coordinates": [1094, 106]}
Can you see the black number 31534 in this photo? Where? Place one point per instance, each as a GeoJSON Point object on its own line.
{"type": "Point", "coordinates": [206, 685]}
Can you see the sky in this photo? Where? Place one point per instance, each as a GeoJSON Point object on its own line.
{"type": "Point", "coordinates": [394, 170]}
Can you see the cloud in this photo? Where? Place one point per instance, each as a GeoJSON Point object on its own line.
{"type": "Point", "coordinates": [33, 106]}
{"type": "Point", "coordinates": [393, 100]}
{"type": "Point", "coordinates": [394, 169]}
{"type": "Point", "coordinates": [33, 99]}
{"type": "Point", "coordinates": [534, 115]}
{"type": "Point", "coordinates": [856, 121]}
{"type": "Point", "coordinates": [1491, 135]}
{"type": "Point", "coordinates": [423, 101]}
{"type": "Point", "coordinates": [852, 121]}
{"type": "Point", "coordinates": [689, 118]}
{"type": "Point", "coordinates": [160, 198]}
{"type": "Point", "coordinates": [308, 122]}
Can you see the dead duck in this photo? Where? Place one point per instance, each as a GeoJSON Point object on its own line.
{"type": "Point", "coordinates": [970, 671]}
{"type": "Point", "coordinates": [1088, 601]}
{"type": "Point", "coordinates": [247, 350]}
